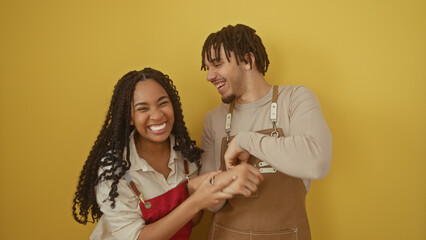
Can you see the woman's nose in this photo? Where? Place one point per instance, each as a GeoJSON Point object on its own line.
{"type": "Point", "coordinates": [156, 114]}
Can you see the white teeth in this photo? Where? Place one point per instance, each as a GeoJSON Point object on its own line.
{"type": "Point", "coordinates": [157, 127]}
{"type": "Point", "coordinates": [220, 85]}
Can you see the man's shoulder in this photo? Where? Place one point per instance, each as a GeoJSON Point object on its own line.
{"type": "Point", "coordinates": [220, 109]}
{"type": "Point", "coordinates": [293, 90]}
{"type": "Point", "coordinates": [216, 116]}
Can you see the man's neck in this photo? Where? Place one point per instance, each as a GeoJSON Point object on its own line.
{"type": "Point", "coordinates": [256, 89]}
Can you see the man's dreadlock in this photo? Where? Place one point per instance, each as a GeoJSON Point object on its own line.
{"type": "Point", "coordinates": [239, 39]}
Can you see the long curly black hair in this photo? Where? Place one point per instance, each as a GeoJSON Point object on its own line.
{"type": "Point", "coordinates": [111, 149]}
{"type": "Point", "coordinates": [241, 40]}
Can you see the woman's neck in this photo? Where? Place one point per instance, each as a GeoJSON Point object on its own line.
{"type": "Point", "coordinates": [157, 155]}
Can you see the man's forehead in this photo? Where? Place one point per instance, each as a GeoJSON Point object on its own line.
{"type": "Point", "coordinates": [216, 56]}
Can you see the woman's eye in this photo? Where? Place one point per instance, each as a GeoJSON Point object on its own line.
{"type": "Point", "coordinates": [164, 103]}
{"type": "Point", "coordinates": [142, 109]}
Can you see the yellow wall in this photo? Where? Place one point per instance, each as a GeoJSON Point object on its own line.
{"type": "Point", "coordinates": [365, 60]}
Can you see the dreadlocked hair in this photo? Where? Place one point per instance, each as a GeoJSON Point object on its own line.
{"type": "Point", "coordinates": [109, 158]}
{"type": "Point", "coordinates": [240, 39]}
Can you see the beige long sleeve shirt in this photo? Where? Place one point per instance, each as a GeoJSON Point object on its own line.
{"type": "Point", "coordinates": [304, 151]}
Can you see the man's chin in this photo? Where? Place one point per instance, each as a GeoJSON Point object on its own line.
{"type": "Point", "coordinates": [228, 99]}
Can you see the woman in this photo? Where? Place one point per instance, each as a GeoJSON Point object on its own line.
{"type": "Point", "coordinates": [135, 179]}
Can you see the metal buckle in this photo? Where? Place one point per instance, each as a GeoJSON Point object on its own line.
{"type": "Point", "coordinates": [263, 164]}
{"type": "Point", "coordinates": [275, 133]}
{"type": "Point", "coordinates": [267, 170]}
{"type": "Point", "coordinates": [147, 205]}
{"type": "Point", "coordinates": [228, 136]}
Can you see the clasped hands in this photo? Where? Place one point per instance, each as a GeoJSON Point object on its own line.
{"type": "Point", "coordinates": [241, 179]}
{"type": "Point", "coordinates": [246, 177]}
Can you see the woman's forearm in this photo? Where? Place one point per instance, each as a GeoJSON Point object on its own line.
{"type": "Point", "coordinates": [167, 226]}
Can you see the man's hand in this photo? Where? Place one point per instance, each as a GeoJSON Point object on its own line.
{"type": "Point", "coordinates": [233, 154]}
{"type": "Point", "coordinates": [246, 179]}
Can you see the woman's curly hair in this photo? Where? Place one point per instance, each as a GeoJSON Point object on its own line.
{"type": "Point", "coordinates": [110, 151]}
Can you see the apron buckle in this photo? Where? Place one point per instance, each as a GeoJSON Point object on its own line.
{"type": "Point", "coordinates": [147, 205]}
{"type": "Point", "coordinates": [263, 164]}
{"type": "Point", "coordinates": [267, 170]}
{"type": "Point", "coordinates": [275, 133]}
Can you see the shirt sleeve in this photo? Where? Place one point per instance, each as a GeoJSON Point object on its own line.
{"type": "Point", "coordinates": [122, 222]}
{"type": "Point", "coordinates": [208, 162]}
{"type": "Point", "coordinates": [306, 151]}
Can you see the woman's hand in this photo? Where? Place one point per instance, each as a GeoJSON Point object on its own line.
{"type": "Point", "coordinates": [208, 194]}
{"type": "Point", "coordinates": [248, 178]}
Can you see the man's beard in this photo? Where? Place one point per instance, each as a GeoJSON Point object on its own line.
{"type": "Point", "coordinates": [228, 99]}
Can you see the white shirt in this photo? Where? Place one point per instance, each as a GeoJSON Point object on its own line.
{"type": "Point", "coordinates": [125, 220]}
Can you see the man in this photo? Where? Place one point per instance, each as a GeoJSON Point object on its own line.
{"type": "Point", "coordinates": [281, 129]}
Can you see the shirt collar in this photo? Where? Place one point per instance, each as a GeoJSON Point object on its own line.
{"type": "Point", "coordinates": [264, 100]}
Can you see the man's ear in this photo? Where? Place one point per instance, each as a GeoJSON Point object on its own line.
{"type": "Point", "coordinates": [247, 58]}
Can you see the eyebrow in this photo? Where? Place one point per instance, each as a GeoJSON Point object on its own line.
{"type": "Point", "coordinates": [216, 60]}
{"type": "Point", "coordinates": [213, 61]}
{"type": "Point", "coordinates": [144, 103]}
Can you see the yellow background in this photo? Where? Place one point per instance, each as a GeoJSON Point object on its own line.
{"type": "Point", "coordinates": [364, 59]}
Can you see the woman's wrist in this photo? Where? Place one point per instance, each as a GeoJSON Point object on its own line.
{"type": "Point", "coordinates": [194, 183]}
{"type": "Point", "coordinates": [195, 203]}
{"type": "Point", "coordinates": [191, 186]}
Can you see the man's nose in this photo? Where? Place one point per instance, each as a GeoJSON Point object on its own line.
{"type": "Point", "coordinates": [211, 75]}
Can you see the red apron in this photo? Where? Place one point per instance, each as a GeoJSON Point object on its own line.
{"type": "Point", "coordinates": [158, 207]}
{"type": "Point", "coordinates": [165, 203]}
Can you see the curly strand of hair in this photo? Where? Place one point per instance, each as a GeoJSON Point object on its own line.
{"type": "Point", "coordinates": [122, 117]}
{"type": "Point", "coordinates": [88, 179]}
{"type": "Point", "coordinates": [108, 147]}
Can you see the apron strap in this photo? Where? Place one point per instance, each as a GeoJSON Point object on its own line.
{"type": "Point", "coordinates": [273, 116]}
{"type": "Point", "coordinates": [186, 169]}
{"type": "Point", "coordinates": [229, 119]}
{"type": "Point", "coordinates": [274, 109]}
{"type": "Point", "coordinates": [135, 190]}
{"type": "Point", "coordinates": [275, 93]}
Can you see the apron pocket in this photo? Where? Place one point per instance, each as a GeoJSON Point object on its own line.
{"type": "Point", "coordinates": [221, 232]}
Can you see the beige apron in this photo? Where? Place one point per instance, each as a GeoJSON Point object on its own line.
{"type": "Point", "coordinates": [276, 211]}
